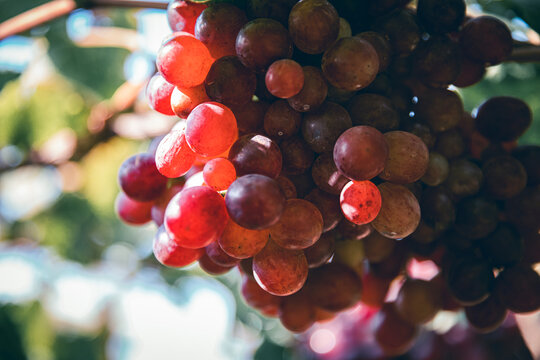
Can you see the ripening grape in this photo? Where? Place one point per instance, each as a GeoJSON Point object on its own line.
{"type": "Point", "coordinates": [400, 212]}
{"type": "Point", "coordinates": [360, 201]}
{"type": "Point", "coordinates": [486, 39]}
{"type": "Point", "coordinates": [518, 288]}
{"type": "Point", "coordinates": [393, 334]}
{"type": "Point", "coordinates": [183, 60]}
{"type": "Point", "coordinates": [486, 316]}
{"type": "Point", "coordinates": [217, 27]}
{"type": "Point", "coordinates": [314, 25]}
{"type": "Point", "coordinates": [319, 253]}
{"type": "Point", "coordinates": [212, 268]}
{"type": "Point", "coordinates": [158, 93]}
{"type": "Point", "coordinates": [185, 100]}
{"type": "Point", "coordinates": [160, 204]}
{"type": "Point", "coordinates": [218, 256]}
{"type": "Point", "coordinates": [140, 179]}
{"type": "Point", "coordinates": [280, 271]}
{"type": "Point", "coordinates": [256, 154]}
{"type": "Point", "coordinates": [255, 201]}
{"type": "Point", "coordinates": [281, 121]}
{"type": "Point", "coordinates": [328, 205]}
{"type": "Point", "coordinates": [211, 129]}
{"type": "Point", "coordinates": [196, 216]}
{"type": "Point", "coordinates": [418, 301]}
{"type": "Point", "coordinates": [182, 15]}
{"type": "Point", "coordinates": [350, 64]}
{"type": "Point", "coordinates": [296, 312]}
{"type": "Point", "coordinates": [284, 78]}
{"type": "Point", "coordinates": [313, 93]}
{"type": "Point", "coordinates": [255, 296]}
{"type": "Point", "coordinates": [326, 175]}
{"type": "Point", "coordinates": [219, 173]}
{"type": "Point", "coordinates": [174, 157]}
{"type": "Point", "coordinates": [360, 153]}
{"type": "Point", "coordinates": [242, 243]}
{"type": "Point", "coordinates": [132, 212]}
{"type": "Point", "coordinates": [299, 226]}
{"type": "Point", "coordinates": [408, 158]}
{"type": "Point", "coordinates": [169, 253]}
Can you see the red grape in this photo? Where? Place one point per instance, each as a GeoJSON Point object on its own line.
{"type": "Point", "coordinates": [183, 101]}
{"type": "Point", "coordinates": [174, 157]}
{"type": "Point", "coordinates": [182, 15]}
{"type": "Point", "coordinates": [360, 201]}
{"type": "Point", "coordinates": [131, 211]}
{"type": "Point", "coordinates": [169, 253]}
{"type": "Point", "coordinates": [140, 179]}
{"type": "Point", "coordinates": [158, 93]}
{"type": "Point", "coordinates": [242, 243]}
{"type": "Point", "coordinates": [284, 78]}
{"type": "Point", "coordinates": [219, 173]}
{"type": "Point", "coordinates": [196, 216]}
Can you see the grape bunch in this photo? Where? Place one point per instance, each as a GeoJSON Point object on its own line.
{"type": "Point", "coordinates": [320, 162]}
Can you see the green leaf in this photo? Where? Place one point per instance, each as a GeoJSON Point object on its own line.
{"type": "Point", "coordinates": [98, 69]}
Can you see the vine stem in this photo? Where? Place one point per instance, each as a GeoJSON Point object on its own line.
{"type": "Point", "coordinates": [525, 54]}
{"type": "Point", "coordinates": [57, 8]}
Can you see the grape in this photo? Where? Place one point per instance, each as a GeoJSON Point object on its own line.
{"type": "Point", "coordinates": [360, 201]}
{"type": "Point", "coordinates": [219, 173]}
{"type": "Point", "coordinates": [182, 15]}
{"type": "Point", "coordinates": [450, 144]}
{"type": "Point", "coordinates": [349, 252]}
{"type": "Point", "coordinates": [322, 127]}
{"type": "Point", "coordinates": [139, 178]}
{"type": "Point", "coordinates": [373, 110]}
{"type": "Point", "coordinates": [319, 253]}
{"type": "Point", "coordinates": [160, 204]}
{"type": "Point", "coordinates": [529, 157]}
{"type": "Point", "coordinates": [314, 25]}
{"type": "Point", "coordinates": [455, 242]}
{"type": "Point", "coordinates": [402, 31]}
{"type": "Point", "coordinates": [326, 175]}
{"type": "Point", "coordinates": [393, 334]}
{"type": "Point", "coordinates": [281, 121]}
{"type": "Point", "coordinates": [256, 154]}
{"type": "Point", "coordinates": [408, 158]}
{"type": "Point", "coordinates": [385, 6]}
{"type": "Point", "coordinates": [334, 287]}
{"type": "Point", "coordinates": [256, 297]}
{"type": "Point", "coordinates": [503, 247]}
{"type": "Point", "coordinates": [284, 78]}
{"type": "Point", "coordinates": [470, 280]}
{"type": "Point", "coordinates": [374, 289]}
{"type": "Point", "coordinates": [255, 201]}
{"type": "Point", "coordinates": [476, 217]}
{"type": "Point", "coordinates": [400, 213]}
{"type": "Point", "coordinates": [486, 39]}
{"type": "Point", "coordinates": [313, 93]}
{"type": "Point", "coordinates": [381, 46]}
{"type": "Point", "coordinates": [486, 316]}
{"type": "Point", "coordinates": [441, 109]}
{"type": "Point", "coordinates": [296, 312]}
{"type": "Point", "coordinates": [392, 265]}
{"type": "Point", "coordinates": [210, 267]}
{"type": "Point", "coordinates": [360, 153]}
{"type": "Point", "coordinates": [250, 116]}
{"type": "Point", "coordinates": [523, 209]}
{"type": "Point", "coordinates": [437, 61]}
{"type": "Point", "coordinates": [277, 9]}
{"type": "Point", "coordinates": [169, 253]}
{"type": "Point", "coordinates": [329, 207]}
{"type": "Point", "coordinates": [422, 131]}
{"type": "Point", "coordinates": [174, 157]}
{"type": "Point", "coordinates": [505, 177]}
{"type": "Point", "coordinates": [217, 27]}
{"type": "Point", "coordinates": [418, 301]}
{"type": "Point", "coordinates": [183, 60]}
{"type": "Point", "coordinates": [438, 208]}
{"type": "Point", "coordinates": [261, 42]}
{"type": "Point", "coordinates": [464, 179]}
{"type": "Point", "coordinates": [183, 101]}
{"type": "Point", "coordinates": [218, 256]}
{"type": "Point", "coordinates": [518, 288]}
{"type": "Point", "coordinates": [280, 271]}
{"type": "Point", "coordinates": [378, 247]}
{"type": "Point", "coordinates": [158, 93]}
{"type": "Point", "coordinates": [299, 227]}
{"type": "Point", "coordinates": [211, 129]}
{"type": "Point", "coordinates": [287, 187]}
{"type": "Point", "coordinates": [350, 64]}
{"type": "Point", "coordinates": [196, 216]}
{"type": "Point", "coordinates": [132, 212]}
{"type": "Point", "coordinates": [242, 243]}
{"type": "Point", "coordinates": [441, 16]}
{"type": "Point", "coordinates": [470, 73]}
{"type": "Point", "coordinates": [229, 82]}
{"type": "Point", "coordinates": [503, 118]}
{"type": "Point", "coordinates": [437, 170]}
{"type": "Point", "coordinates": [297, 156]}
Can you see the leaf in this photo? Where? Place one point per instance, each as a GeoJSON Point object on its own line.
{"type": "Point", "coordinates": [98, 69]}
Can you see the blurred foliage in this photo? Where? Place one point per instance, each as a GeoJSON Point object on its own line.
{"type": "Point", "coordinates": [31, 116]}
{"type": "Point", "coordinates": [11, 346]}
{"type": "Point", "coordinates": [528, 10]}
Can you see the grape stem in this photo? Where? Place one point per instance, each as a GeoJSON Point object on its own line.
{"type": "Point", "coordinates": [57, 8]}
{"type": "Point", "coordinates": [525, 54]}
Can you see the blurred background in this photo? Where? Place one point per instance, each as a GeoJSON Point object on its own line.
{"type": "Point", "coordinates": [76, 283]}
